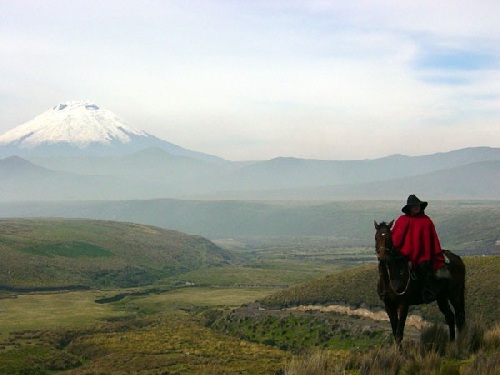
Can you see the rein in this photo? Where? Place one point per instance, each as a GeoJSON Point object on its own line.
{"type": "Point", "coordinates": [407, 282]}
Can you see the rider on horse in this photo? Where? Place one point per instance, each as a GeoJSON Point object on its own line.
{"type": "Point", "coordinates": [414, 235]}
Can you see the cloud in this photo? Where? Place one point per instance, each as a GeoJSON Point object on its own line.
{"type": "Point", "coordinates": [261, 79]}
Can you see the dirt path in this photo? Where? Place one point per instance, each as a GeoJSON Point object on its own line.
{"type": "Point", "coordinates": [413, 320]}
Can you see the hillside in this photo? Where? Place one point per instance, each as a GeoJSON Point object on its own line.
{"type": "Point", "coordinates": [40, 253]}
{"type": "Point", "coordinates": [358, 287]}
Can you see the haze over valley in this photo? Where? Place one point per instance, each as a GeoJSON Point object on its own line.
{"type": "Point", "coordinates": [78, 151]}
{"type": "Point", "coordinates": [77, 160]}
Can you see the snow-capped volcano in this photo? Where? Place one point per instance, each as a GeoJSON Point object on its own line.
{"type": "Point", "coordinates": [78, 123]}
{"type": "Point", "coordinates": [82, 128]}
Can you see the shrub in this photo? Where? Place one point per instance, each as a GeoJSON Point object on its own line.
{"type": "Point", "coordinates": [491, 339]}
{"type": "Point", "coordinates": [471, 338]}
{"type": "Point", "coordinates": [433, 339]}
{"type": "Point", "coordinates": [483, 364]}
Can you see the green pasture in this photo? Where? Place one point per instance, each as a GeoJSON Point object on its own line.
{"type": "Point", "coordinates": [265, 274]}
{"type": "Point", "coordinates": [52, 310]}
{"type": "Point", "coordinates": [79, 309]}
{"type": "Point", "coordinates": [208, 297]}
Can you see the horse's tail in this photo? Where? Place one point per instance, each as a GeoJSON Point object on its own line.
{"type": "Point", "coordinates": [458, 276]}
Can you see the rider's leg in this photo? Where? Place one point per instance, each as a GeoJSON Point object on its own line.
{"type": "Point", "coordinates": [426, 275]}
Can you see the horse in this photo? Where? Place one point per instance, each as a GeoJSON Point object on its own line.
{"type": "Point", "coordinates": [399, 286]}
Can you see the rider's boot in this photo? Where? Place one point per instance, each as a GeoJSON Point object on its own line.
{"type": "Point", "coordinates": [428, 282]}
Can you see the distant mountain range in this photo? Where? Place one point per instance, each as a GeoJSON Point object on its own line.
{"type": "Point", "coordinates": [78, 151]}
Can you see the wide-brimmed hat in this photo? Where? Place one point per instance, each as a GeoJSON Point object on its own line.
{"type": "Point", "coordinates": [413, 201]}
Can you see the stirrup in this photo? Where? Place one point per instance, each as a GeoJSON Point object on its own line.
{"type": "Point", "coordinates": [443, 273]}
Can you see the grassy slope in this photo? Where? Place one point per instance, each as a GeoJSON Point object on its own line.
{"type": "Point", "coordinates": [57, 252]}
{"type": "Point", "coordinates": [358, 286]}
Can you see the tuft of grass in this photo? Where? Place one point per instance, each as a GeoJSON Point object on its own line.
{"type": "Point", "coordinates": [472, 337]}
{"type": "Point", "coordinates": [491, 338]}
{"type": "Point", "coordinates": [381, 360]}
{"type": "Point", "coordinates": [317, 362]}
{"type": "Point", "coordinates": [434, 338]}
{"type": "Point", "coordinates": [484, 363]}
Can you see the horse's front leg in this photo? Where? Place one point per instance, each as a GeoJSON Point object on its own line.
{"type": "Point", "coordinates": [402, 313]}
{"type": "Point", "coordinates": [392, 313]}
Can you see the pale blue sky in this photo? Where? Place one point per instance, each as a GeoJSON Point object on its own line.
{"type": "Point", "coordinates": [261, 79]}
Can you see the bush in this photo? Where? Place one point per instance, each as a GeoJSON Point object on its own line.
{"type": "Point", "coordinates": [433, 339]}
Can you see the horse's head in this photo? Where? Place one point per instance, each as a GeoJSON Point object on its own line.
{"type": "Point", "coordinates": [383, 240]}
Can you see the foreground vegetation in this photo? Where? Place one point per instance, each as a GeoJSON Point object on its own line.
{"type": "Point", "coordinates": [204, 330]}
{"type": "Point", "coordinates": [474, 353]}
{"type": "Point", "coordinates": [170, 334]}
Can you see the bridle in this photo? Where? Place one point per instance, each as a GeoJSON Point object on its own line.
{"type": "Point", "coordinates": [388, 247]}
{"type": "Point", "coordinates": [391, 253]}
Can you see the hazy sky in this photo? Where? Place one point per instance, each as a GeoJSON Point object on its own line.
{"type": "Point", "coordinates": [260, 79]}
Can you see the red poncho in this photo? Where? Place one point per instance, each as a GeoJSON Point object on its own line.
{"type": "Point", "coordinates": [416, 237]}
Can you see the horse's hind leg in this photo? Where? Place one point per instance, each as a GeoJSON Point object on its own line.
{"type": "Point", "coordinates": [459, 305]}
{"type": "Point", "coordinates": [444, 306]}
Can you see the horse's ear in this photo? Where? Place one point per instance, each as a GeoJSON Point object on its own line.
{"type": "Point", "coordinates": [376, 224]}
{"type": "Point", "coordinates": [391, 224]}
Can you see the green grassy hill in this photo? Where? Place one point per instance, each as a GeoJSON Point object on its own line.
{"type": "Point", "coordinates": [357, 287]}
{"type": "Point", "coordinates": [41, 253]}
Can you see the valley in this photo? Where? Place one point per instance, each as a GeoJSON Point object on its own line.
{"type": "Point", "coordinates": [222, 313]}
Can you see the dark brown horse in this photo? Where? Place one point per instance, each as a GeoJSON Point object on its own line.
{"type": "Point", "coordinates": [399, 286]}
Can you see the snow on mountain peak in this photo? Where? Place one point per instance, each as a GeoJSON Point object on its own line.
{"type": "Point", "coordinates": [79, 123]}
{"type": "Point", "coordinates": [69, 105]}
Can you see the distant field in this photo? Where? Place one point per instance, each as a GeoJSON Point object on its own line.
{"type": "Point", "coordinates": [48, 311]}
{"type": "Point", "coordinates": [267, 273]}
{"type": "Point", "coordinates": [193, 297]}
{"type": "Point", "coordinates": [78, 309]}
